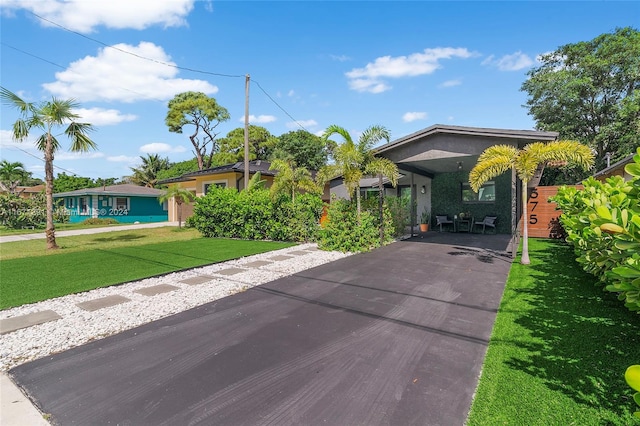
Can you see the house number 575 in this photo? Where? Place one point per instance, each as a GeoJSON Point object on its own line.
{"type": "Point", "coordinates": [533, 217]}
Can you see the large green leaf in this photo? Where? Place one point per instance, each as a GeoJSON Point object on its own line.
{"type": "Point", "coordinates": [632, 376]}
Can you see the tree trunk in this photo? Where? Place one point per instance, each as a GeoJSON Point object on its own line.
{"type": "Point", "coordinates": [525, 226]}
{"type": "Point", "coordinates": [179, 214]}
{"type": "Point", "coordinates": [48, 171]}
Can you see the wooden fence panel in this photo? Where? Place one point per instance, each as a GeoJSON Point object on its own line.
{"type": "Point", "coordinates": [543, 216]}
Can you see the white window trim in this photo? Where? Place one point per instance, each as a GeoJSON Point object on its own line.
{"type": "Point", "coordinates": [88, 211]}
{"type": "Point", "coordinates": [213, 182]}
{"type": "Point", "coordinates": [115, 202]}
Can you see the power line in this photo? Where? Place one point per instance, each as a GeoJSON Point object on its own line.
{"type": "Point", "coordinates": [64, 68]}
{"type": "Point", "coordinates": [163, 63]}
{"type": "Point", "coordinates": [278, 105]}
{"type": "Point", "coordinates": [42, 159]}
{"type": "Point", "coordinates": [131, 53]}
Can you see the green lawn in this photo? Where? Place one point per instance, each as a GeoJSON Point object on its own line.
{"type": "Point", "coordinates": [59, 227]}
{"type": "Point", "coordinates": [559, 348]}
{"type": "Point", "coordinates": [120, 258]}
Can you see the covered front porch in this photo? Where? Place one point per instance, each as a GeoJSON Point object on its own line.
{"type": "Point", "coordinates": [435, 162]}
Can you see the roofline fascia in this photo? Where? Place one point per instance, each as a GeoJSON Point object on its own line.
{"type": "Point", "coordinates": [473, 131]}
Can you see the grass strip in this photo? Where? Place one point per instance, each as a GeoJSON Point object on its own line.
{"type": "Point", "coordinates": [102, 240]}
{"type": "Point", "coordinates": [32, 279]}
{"type": "Point", "coordinates": [559, 348]}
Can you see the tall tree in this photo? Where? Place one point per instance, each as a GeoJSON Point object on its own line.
{"type": "Point", "coordinates": [590, 92]}
{"type": "Point", "coordinates": [178, 169]}
{"type": "Point", "coordinates": [12, 174]}
{"type": "Point", "coordinates": [261, 144]}
{"type": "Point", "coordinates": [291, 180]}
{"type": "Point", "coordinates": [205, 114]}
{"type": "Point", "coordinates": [303, 148]}
{"type": "Point", "coordinates": [353, 160]}
{"type": "Point", "coordinates": [147, 173]}
{"type": "Point", "coordinates": [64, 183]}
{"type": "Point", "coordinates": [46, 117]}
{"type": "Point", "coordinates": [180, 195]}
{"type": "Point", "coordinates": [497, 159]}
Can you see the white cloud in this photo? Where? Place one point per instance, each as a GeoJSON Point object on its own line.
{"type": "Point", "coordinates": [370, 78]}
{"type": "Point", "coordinates": [450, 83]}
{"type": "Point", "coordinates": [103, 117]}
{"type": "Point", "coordinates": [303, 123]}
{"type": "Point", "coordinates": [319, 133]}
{"type": "Point", "coordinates": [260, 119]}
{"type": "Point", "coordinates": [160, 147]}
{"type": "Point", "coordinates": [84, 16]}
{"type": "Point", "coordinates": [291, 93]}
{"type": "Point", "coordinates": [514, 62]}
{"type": "Point", "coordinates": [340, 58]}
{"type": "Point", "coordinates": [65, 155]}
{"type": "Point", "coordinates": [122, 159]}
{"type": "Point", "coordinates": [408, 117]}
{"type": "Point", "coordinates": [104, 77]}
{"type": "Point", "coordinates": [7, 141]}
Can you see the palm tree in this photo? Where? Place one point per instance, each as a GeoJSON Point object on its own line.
{"type": "Point", "coordinates": [180, 195]}
{"type": "Point", "coordinates": [497, 159]}
{"type": "Point", "coordinates": [147, 173]}
{"type": "Point", "coordinates": [46, 116]}
{"type": "Point", "coordinates": [354, 161]}
{"type": "Point", "coordinates": [11, 175]}
{"type": "Point", "coordinates": [291, 179]}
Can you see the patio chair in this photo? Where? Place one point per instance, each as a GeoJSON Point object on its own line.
{"type": "Point", "coordinates": [488, 221]}
{"type": "Point", "coordinates": [443, 220]}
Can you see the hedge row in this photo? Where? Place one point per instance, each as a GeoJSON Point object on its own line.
{"type": "Point", "coordinates": [254, 215]}
{"type": "Point", "coordinates": [603, 224]}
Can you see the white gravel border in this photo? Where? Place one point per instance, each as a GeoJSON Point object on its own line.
{"type": "Point", "coordinates": [78, 326]}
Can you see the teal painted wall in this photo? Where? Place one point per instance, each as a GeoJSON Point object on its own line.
{"type": "Point", "coordinates": [141, 209]}
{"type": "Point", "coordinates": [446, 198]}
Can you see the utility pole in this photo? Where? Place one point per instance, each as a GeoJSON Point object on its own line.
{"type": "Point", "coordinates": [246, 132]}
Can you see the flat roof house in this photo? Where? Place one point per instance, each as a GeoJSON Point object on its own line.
{"type": "Point", "coordinates": [434, 164]}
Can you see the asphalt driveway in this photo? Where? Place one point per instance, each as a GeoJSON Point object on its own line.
{"type": "Point", "coordinates": [392, 337]}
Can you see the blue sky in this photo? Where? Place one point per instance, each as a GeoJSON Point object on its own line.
{"type": "Point", "coordinates": [403, 65]}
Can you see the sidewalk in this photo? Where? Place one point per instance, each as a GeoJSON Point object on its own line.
{"type": "Point", "coordinates": [41, 235]}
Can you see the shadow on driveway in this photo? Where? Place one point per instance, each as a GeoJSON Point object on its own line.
{"type": "Point", "coordinates": [392, 337]}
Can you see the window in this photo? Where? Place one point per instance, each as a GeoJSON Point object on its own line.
{"type": "Point", "coordinates": [69, 203]}
{"type": "Point", "coordinates": [122, 203]}
{"type": "Point", "coordinates": [486, 193]}
{"type": "Point", "coordinates": [84, 205]}
{"type": "Point", "coordinates": [219, 184]}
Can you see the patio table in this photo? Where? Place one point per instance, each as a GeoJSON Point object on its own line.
{"type": "Point", "coordinates": [465, 222]}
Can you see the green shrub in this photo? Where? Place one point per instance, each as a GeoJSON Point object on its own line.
{"type": "Point", "coordinates": [17, 212]}
{"type": "Point", "coordinates": [603, 224]}
{"type": "Point", "coordinates": [344, 232]}
{"type": "Point", "coordinates": [100, 221]}
{"type": "Point", "coordinates": [399, 208]}
{"type": "Point", "coordinates": [254, 215]}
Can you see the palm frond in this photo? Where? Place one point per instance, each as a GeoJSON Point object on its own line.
{"type": "Point", "coordinates": [334, 129]}
{"type": "Point", "coordinates": [11, 99]}
{"type": "Point", "coordinates": [20, 130]}
{"type": "Point", "coordinates": [80, 142]}
{"type": "Point", "coordinates": [385, 167]}
{"type": "Point", "coordinates": [41, 143]}
{"type": "Point", "coordinates": [59, 111]}
{"type": "Point", "coordinates": [489, 167]}
{"type": "Point", "coordinates": [371, 136]}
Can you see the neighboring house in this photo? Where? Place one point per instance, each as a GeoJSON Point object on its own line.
{"type": "Point", "coordinates": [227, 176]}
{"type": "Point", "coordinates": [616, 169]}
{"type": "Point", "coordinates": [434, 165]}
{"type": "Point", "coordinates": [27, 191]}
{"type": "Point", "coordinates": [125, 203]}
